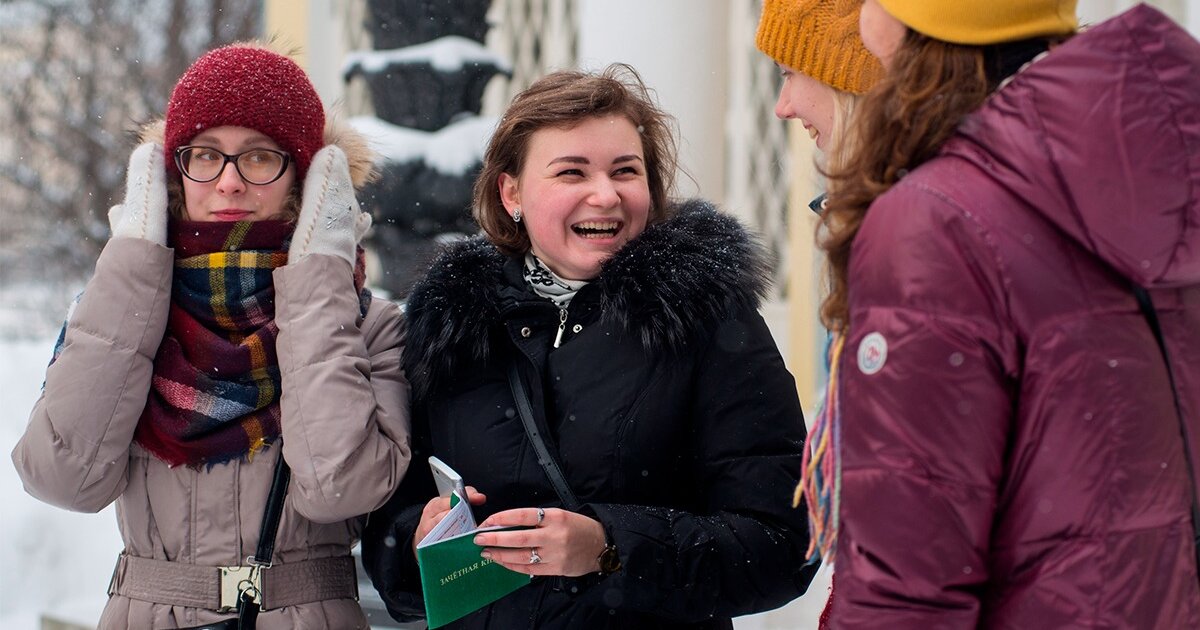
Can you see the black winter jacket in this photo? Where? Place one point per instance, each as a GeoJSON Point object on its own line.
{"type": "Point", "coordinates": [676, 424]}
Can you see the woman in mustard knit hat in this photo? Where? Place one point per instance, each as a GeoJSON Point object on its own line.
{"type": "Point", "coordinates": [225, 332]}
{"type": "Point", "coordinates": [824, 65]}
{"type": "Point", "coordinates": [1015, 272]}
{"type": "Point", "coordinates": [826, 70]}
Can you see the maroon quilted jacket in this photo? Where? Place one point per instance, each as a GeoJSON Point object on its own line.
{"type": "Point", "coordinates": [1012, 453]}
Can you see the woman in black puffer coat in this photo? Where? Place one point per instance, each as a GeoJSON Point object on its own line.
{"type": "Point", "coordinates": [634, 328]}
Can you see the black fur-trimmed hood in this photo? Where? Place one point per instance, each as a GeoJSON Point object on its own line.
{"type": "Point", "coordinates": [667, 287]}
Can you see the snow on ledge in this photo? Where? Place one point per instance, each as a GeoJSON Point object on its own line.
{"type": "Point", "coordinates": [445, 54]}
{"type": "Point", "coordinates": [453, 149]}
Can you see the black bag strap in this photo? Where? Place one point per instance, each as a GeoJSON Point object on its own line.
{"type": "Point", "coordinates": [273, 513]}
{"type": "Point", "coordinates": [247, 608]}
{"type": "Point", "coordinates": [1151, 315]}
{"type": "Point", "coordinates": [549, 464]}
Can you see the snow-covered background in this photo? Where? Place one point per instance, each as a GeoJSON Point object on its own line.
{"type": "Point", "coordinates": [53, 560]}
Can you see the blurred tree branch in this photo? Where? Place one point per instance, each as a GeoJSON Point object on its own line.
{"type": "Point", "coordinates": [84, 76]}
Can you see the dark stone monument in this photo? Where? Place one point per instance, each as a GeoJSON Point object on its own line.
{"type": "Point", "coordinates": [426, 77]}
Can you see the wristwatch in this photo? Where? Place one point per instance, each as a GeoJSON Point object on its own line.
{"type": "Point", "coordinates": [608, 559]}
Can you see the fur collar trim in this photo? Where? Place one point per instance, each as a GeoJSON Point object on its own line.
{"type": "Point", "coordinates": [667, 287]}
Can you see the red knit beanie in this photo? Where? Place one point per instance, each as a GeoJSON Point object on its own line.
{"type": "Point", "coordinates": [247, 86]}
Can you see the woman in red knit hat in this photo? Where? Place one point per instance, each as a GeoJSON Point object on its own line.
{"type": "Point", "coordinates": [227, 331]}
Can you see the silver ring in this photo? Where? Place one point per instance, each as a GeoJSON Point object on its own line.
{"type": "Point", "coordinates": [541, 516]}
{"type": "Point", "coordinates": [534, 558]}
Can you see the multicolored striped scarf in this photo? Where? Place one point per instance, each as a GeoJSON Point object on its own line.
{"type": "Point", "coordinates": [214, 396]}
{"type": "Point", "coordinates": [821, 472]}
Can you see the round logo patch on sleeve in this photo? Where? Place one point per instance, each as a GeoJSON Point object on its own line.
{"type": "Point", "coordinates": [872, 353]}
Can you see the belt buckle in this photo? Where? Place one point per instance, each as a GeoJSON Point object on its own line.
{"type": "Point", "coordinates": [235, 580]}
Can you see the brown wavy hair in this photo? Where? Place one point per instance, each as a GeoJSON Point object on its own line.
{"type": "Point", "coordinates": [929, 88]}
{"type": "Point", "coordinates": [563, 100]}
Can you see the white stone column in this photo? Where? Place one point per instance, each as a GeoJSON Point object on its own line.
{"type": "Point", "coordinates": [314, 30]}
{"type": "Point", "coordinates": [326, 49]}
{"type": "Point", "coordinates": [679, 48]}
{"type": "Point", "coordinates": [1094, 11]}
{"type": "Point", "coordinates": [1186, 12]}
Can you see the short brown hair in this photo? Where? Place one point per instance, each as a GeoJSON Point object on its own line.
{"type": "Point", "coordinates": [562, 100]}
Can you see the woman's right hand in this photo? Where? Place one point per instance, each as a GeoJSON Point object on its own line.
{"type": "Point", "coordinates": [436, 510]}
{"type": "Point", "coordinates": [144, 212]}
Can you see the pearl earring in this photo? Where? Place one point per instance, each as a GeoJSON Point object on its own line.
{"type": "Point", "coordinates": [516, 215]}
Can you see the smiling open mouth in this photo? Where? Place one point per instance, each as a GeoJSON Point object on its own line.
{"type": "Point", "coordinates": [597, 229]}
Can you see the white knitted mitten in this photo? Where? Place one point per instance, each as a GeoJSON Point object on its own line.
{"type": "Point", "coordinates": [330, 220]}
{"type": "Point", "coordinates": [144, 213]}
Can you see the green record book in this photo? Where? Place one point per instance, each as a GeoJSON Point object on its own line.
{"type": "Point", "coordinates": [456, 581]}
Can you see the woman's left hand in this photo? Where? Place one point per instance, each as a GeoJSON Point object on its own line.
{"type": "Point", "coordinates": [330, 220]}
{"type": "Point", "coordinates": [560, 543]}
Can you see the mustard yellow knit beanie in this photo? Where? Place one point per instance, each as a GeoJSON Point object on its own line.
{"type": "Point", "coordinates": [819, 38]}
{"type": "Point", "coordinates": [981, 22]}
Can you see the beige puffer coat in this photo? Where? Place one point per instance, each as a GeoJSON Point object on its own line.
{"type": "Point", "coordinates": [344, 417]}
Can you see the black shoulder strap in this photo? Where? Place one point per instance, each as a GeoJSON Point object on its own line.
{"type": "Point", "coordinates": [1151, 315]}
{"type": "Point", "coordinates": [549, 464]}
{"type": "Point", "coordinates": [273, 511]}
{"type": "Point", "coordinates": [247, 607]}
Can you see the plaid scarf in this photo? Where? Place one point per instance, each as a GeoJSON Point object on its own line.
{"type": "Point", "coordinates": [215, 392]}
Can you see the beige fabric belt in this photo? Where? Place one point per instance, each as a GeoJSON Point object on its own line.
{"type": "Point", "coordinates": [197, 586]}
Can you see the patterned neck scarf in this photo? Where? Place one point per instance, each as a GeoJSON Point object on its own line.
{"type": "Point", "coordinates": [214, 396]}
{"type": "Point", "coordinates": [548, 284]}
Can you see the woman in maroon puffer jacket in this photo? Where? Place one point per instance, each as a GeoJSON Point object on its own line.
{"type": "Point", "coordinates": [1012, 452]}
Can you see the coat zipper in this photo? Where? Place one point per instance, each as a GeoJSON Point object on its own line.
{"type": "Point", "coordinates": [562, 325]}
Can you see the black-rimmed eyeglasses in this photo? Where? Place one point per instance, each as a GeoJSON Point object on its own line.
{"type": "Point", "coordinates": [257, 166]}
